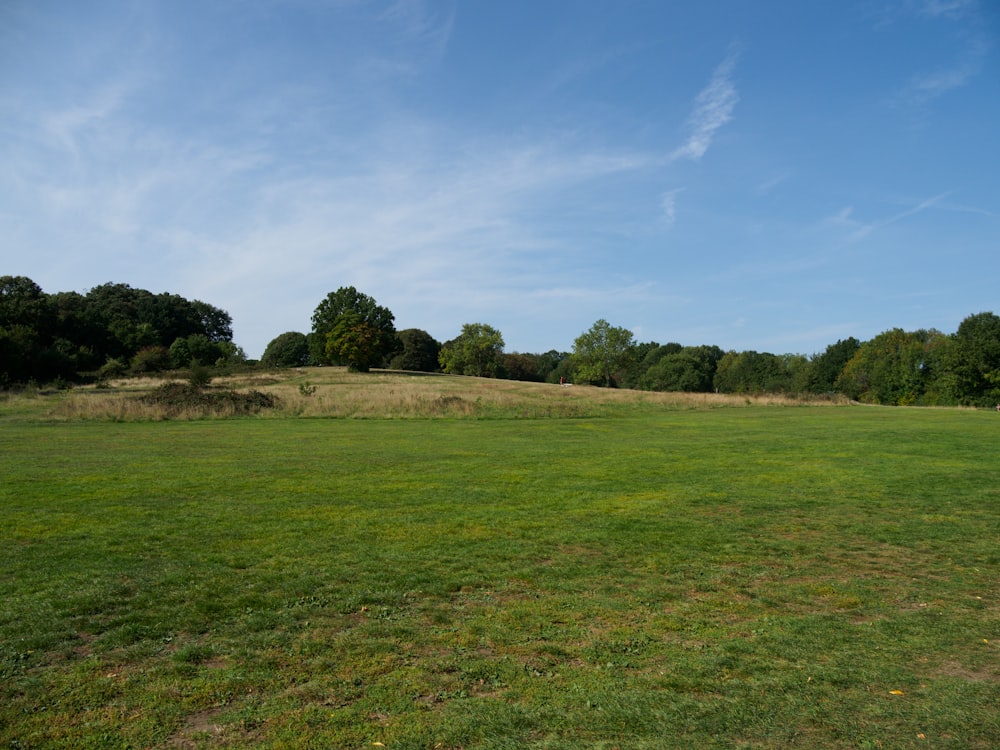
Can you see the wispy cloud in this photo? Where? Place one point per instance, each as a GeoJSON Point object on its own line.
{"type": "Point", "coordinates": [765, 187]}
{"type": "Point", "coordinates": [947, 8]}
{"type": "Point", "coordinates": [66, 125]}
{"type": "Point", "coordinates": [416, 21]}
{"type": "Point", "coordinates": [713, 108]}
{"type": "Point", "coordinates": [669, 204]}
{"type": "Point", "coordinates": [859, 230]}
{"type": "Point", "coordinates": [965, 20]}
{"type": "Point", "coordinates": [928, 86]}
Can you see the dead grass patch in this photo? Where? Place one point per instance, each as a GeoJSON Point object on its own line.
{"type": "Point", "coordinates": [333, 392]}
{"type": "Point", "coordinates": [989, 673]}
{"type": "Point", "coordinates": [197, 728]}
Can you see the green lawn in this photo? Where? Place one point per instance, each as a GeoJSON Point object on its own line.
{"type": "Point", "coordinates": [813, 577]}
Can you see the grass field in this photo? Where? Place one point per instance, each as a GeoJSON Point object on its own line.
{"type": "Point", "coordinates": [544, 569]}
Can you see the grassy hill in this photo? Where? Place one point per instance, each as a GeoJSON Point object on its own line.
{"type": "Point", "coordinates": [336, 392]}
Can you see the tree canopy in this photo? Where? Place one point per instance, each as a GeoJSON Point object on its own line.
{"type": "Point", "coordinates": [352, 329]}
{"type": "Point", "coordinates": [602, 352]}
{"type": "Point", "coordinates": [478, 351]}
{"type": "Point", "coordinates": [61, 335]}
{"type": "Point", "coordinates": [896, 367]}
{"type": "Point", "coordinates": [974, 360]}
{"type": "Point", "coordinates": [114, 329]}
{"type": "Point", "coordinates": [690, 369]}
{"type": "Point", "coordinates": [419, 351]}
{"type": "Point", "coordinates": [290, 349]}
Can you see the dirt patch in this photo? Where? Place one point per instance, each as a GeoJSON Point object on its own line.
{"type": "Point", "coordinates": [196, 727]}
{"type": "Point", "coordinates": [980, 674]}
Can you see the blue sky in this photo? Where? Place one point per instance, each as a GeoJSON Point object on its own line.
{"type": "Point", "coordinates": [756, 175]}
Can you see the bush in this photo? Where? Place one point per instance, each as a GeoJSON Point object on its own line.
{"type": "Point", "coordinates": [113, 368]}
{"type": "Point", "coordinates": [200, 376]}
{"type": "Point", "coordinates": [180, 397]}
{"type": "Point", "coordinates": [151, 359]}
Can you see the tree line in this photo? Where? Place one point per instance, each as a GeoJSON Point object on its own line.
{"type": "Point", "coordinates": [114, 329]}
{"type": "Point", "coordinates": [110, 331]}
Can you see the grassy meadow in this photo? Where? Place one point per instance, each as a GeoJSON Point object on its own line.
{"type": "Point", "coordinates": [433, 562]}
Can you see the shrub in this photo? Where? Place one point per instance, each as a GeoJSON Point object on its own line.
{"type": "Point", "coordinates": [175, 398]}
{"type": "Point", "coordinates": [113, 368]}
{"type": "Point", "coordinates": [200, 376]}
{"type": "Point", "coordinates": [151, 359]}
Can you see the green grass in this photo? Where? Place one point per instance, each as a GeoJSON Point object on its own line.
{"type": "Point", "coordinates": [731, 578]}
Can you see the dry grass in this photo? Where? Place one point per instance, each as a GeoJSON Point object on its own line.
{"type": "Point", "coordinates": [338, 393]}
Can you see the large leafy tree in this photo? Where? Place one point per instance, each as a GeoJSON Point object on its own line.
{"type": "Point", "coordinates": [45, 336]}
{"type": "Point", "coordinates": [825, 368]}
{"type": "Point", "coordinates": [22, 302]}
{"type": "Point", "coordinates": [752, 372]}
{"type": "Point", "coordinates": [974, 360]}
{"type": "Point", "coordinates": [553, 365]}
{"type": "Point", "coordinates": [477, 351]}
{"type": "Point", "coordinates": [352, 329]}
{"type": "Point", "coordinates": [522, 367]}
{"type": "Point", "coordinates": [419, 351]}
{"type": "Point", "coordinates": [690, 369]}
{"type": "Point", "coordinates": [130, 319]}
{"type": "Point", "coordinates": [290, 349]}
{"type": "Point", "coordinates": [895, 368]}
{"type": "Point", "coordinates": [26, 327]}
{"type": "Point", "coordinates": [114, 310]}
{"type": "Point", "coordinates": [355, 342]}
{"type": "Point", "coordinates": [644, 356]}
{"type": "Point", "coordinates": [211, 321]}
{"type": "Point", "coordinates": [603, 352]}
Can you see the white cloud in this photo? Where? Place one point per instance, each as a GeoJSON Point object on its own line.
{"type": "Point", "coordinates": [771, 183]}
{"type": "Point", "coordinates": [964, 20]}
{"type": "Point", "coordinates": [860, 229]}
{"type": "Point", "coordinates": [948, 8]}
{"type": "Point", "coordinates": [713, 108]}
{"type": "Point", "coordinates": [669, 205]}
{"type": "Point", "coordinates": [431, 29]}
{"type": "Point", "coordinates": [928, 86]}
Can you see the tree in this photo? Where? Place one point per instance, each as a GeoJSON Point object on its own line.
{"type": "Point", "coordinates": [22, 302]}
{"type": "Point", "coordinates": [73, 326]}
{"type": "Point", "coordinates": [124, 320]}
{"type": "Point", "coordinates": [894, 368]}
{"type": "Point", "coordinates": [753, 372]}
{"type": "Point", "coordinates": [691, 369]}
{"type": "Point", "coordinates": [644, 355]}
{"type": "Point", "coordinates": [63, 335]}
{"type": "Point", "coordinates": [477, 351]}
{"type": "Point", "coordinates": [825, 368]}
{"type": "Point", "coordinates": [352, 329]}
{"type": "Point", "coordinates": [26, 327]}
{"type": "Point", "coordinates": [602, 352]}
{"type": "Point", "coordinates": [553, 365]}
{"type": "Point", "coordinates": [290, 349]}
{"type": "Point", "coordinates": [974, 360]}
{"type": "Point", "coordinates": [354, 342]}
{"type": "Point", "coordinates": [522, 367]}
{"type": "Point", "coordinates": [419, 351]}
{"type": "Point", "coordinates": [211, 321]}
{"type": "Point", "coordinates": [180, 353]}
